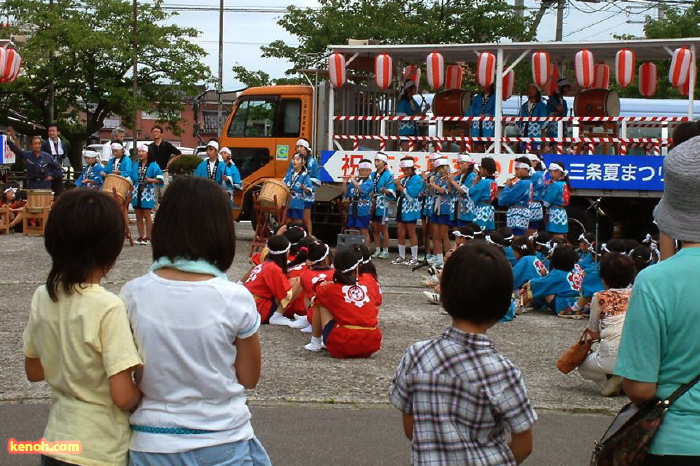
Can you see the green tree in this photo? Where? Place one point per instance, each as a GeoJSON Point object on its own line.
{"type": "Point", "coordinates": [87, 49]}
{"type": "Point", "coordinates": [392, 22]}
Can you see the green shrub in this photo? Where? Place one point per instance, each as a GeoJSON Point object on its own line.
{"type": "Point", "coordinates": [184, 165]}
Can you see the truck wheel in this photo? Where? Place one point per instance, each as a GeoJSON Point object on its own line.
{"type": "Point", "coordinates": [579, 222]}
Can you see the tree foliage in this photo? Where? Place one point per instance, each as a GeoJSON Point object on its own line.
{"type": "Point", "coordinates": [391, 22]}
{"type": "Point", "coordinates": [87, 49]}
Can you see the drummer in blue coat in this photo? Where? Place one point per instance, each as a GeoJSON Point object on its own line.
{"type": "Point", "coordinates": [483, 104]}
{"type": "Point", "coordinates": [303, 149]}
{"type": "Point", "coordinates": [299, 183]}
{"type": "Point", "coordinates": [232, 177]}
{"type": "Point", "coordinates": [443, 209]}
{"type": "Point", "coordinates": [483, 193]}
{"type": "Point", "coordinates": [358, 189]}
{"type": "Point", "coordinates": [383, 189]}
{"type": "Point", "coordinates": [556, 198]}
{"type": "Point", "coordinates": [91, 177]}
{"type": "Point", "coordinates": [119, 164]}
{"type": "Point", "coordinates": [464, 206]}
{"type": "Point", "coordinates": [408, 210]}
{"type": "Point", "coordinates": [212, 168]}
{"type": "Point", "coordinates": [533, 108]}
{"type": "Point", "coordinates": [517, 194]}
{"type": "Point", "coordinates": [538, 187]}
{"type": "Point", "coordinates": [145, 174]}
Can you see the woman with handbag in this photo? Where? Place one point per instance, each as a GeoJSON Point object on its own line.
{"type": "Point", "coordinates": [660, 348]}
{"type": "Point", "coordinates": [608, 309]}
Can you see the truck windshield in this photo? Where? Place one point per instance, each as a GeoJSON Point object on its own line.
{"type": "Point", "coordinates": [253, 119]}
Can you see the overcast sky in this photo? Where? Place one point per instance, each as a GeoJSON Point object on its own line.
{"type": "Point", "coordinates": [245, 32]}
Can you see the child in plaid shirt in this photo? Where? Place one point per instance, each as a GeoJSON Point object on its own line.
{"type": "Point", "coordinates": [460, 398]}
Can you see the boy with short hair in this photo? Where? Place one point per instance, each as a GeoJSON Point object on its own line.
{"type": "Point", "coordinates": [458, 395]}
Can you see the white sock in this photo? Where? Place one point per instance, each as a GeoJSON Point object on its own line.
{"type": "Point", "coordinates": [402, 251]}
{"type": "Point", "coordinates": [414, 252]}
{"type": "Point", "coordinates": [440, 258]}
{"type": "Point", "coordinates": [316, 341]}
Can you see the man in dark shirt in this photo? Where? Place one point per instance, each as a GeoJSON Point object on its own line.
{"type": "Point", "coordinates": [58, 149]}
{"type": "Point", "coordinates": [41, 167]}
{"type": "Point", "coordinates": [161, 150]}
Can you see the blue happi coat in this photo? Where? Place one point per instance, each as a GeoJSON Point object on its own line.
{"type": "Point", "coordinates": [124, 165]}
{"type": "Point", "coordinates": [483, 194]}
{"type": "Point", "coordinates": [482, 106]}
{"type": "Point", "coordinates": [532, 129]}
{"type": "Point", "coordinates": [525, 269]}
{"type": "Point", "coordinates": [360, 199]}
{"type": "Point", "coordinates": [517, 197]}
{"type": "Point", "coordinates": [145, 193]}
{"type": "Point", "coordinates": [409, 205]}
{"type": "Point", "coordinates": [444, 203]}
{"type": "Point", "coordinates": [379, 182]}
{"type": "Point", "coordinates": [464, 209]}
{"type": "Point", "coordinates": [407, 107]}
{"type": "Point", "coordinates": [217, 175]}
{"type": "Point", "coordinates": [297, 184]}
{"type": "Point", "coordinates": [556, 197]}
{"type": "Point", "coordinates": [312, 169]}
{"type": "Point", "coordinates": [234, 175]}
{"type": "Point", "coordinates": [565, 286]}
{"type": "Point", "coordinates": [538, 187]}
{"type": "Point", "coordinates": [92, 173]}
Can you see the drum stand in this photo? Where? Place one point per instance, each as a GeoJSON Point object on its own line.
{"type": "Point", "coordinates": [262, 224]}
{"type": "Point", "coordinates": [124, 206]}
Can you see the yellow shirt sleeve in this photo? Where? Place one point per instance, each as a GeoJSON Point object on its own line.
{"type": "Point", "coordinates": [119, 351]}
{"type": "Point", "coordinates": [28, 348]}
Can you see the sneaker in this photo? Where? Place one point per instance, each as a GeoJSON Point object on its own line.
{"type": "Point", "coordinates": [438, 264]}
{"type": "Point", "coordinates": [613, 387]}
{"type": "Point", "coordinates": [569, 313]}
{"type": "Point", "coordinates": [412, 262]}
{"type": "Point", "coordinates": [377, 252]}
{"type": "Point", "coordinates": [313, 347]}
{"type": "Point", "coordinates": [279, 319]}
{"type": "Point", "coordinates": [399, 261]}
{"type": "Point", "coordinates": [299, 323]}
{"type": "Point", "coordinates": [307, 329]}
{"type": "Point", "coordinates": [443, 311]}
{"type": "Point", "coordinates": [138, 241]}
{"type": "Point", "coordinates": [146, 242]}
{"type": "Point", "coordinates": [432, 270]}
{"type": "Point", "coordinates": [433, 297]}
{"type": "Point", "coordinates": [383, 255]}
{"type": "Point", "coordinates": [431, 258]}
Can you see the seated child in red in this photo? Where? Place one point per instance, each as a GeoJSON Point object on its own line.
{"type": "Point", "coordinates": [270, 287]}
{"type": "Point", "coordinates": [319, 270]}
{"type": "Point", "coordinates": [367, 273]}
{"type": "Point", "coordinates": [346, 318]}
{"type": "Point", "coordinates": [295, 268]}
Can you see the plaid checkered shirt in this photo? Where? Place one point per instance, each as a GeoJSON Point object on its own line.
{"type": "Point", "coordinates": [464, 397]}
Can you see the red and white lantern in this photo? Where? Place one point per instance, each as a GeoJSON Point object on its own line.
{"type": "Point", "coordinates": [435, 69]}
{"type": "Point", "coordinates": [685, 88]}
{"type": "Point", "coordinates": [602, 76]}
{"type": "Point", "coordinates": [10, 62]}
{"type": "Point", "coordinates": [647, 79]}
{"type": "Point", "coordinates": [508, 84]}
{"type": "Point", "coordinates": [383, 66]}
{"type": "Point", "coordinates": [453, 79]}
{"type": "Point", "coordinates": [625, 66]}
{"type": "Point", "coordinates": [551, 85]}
{"type": "Point", "coordinates": [540, 68]}
{"type": "Point", "coordinates": [680, 66]}
{"type": "Point", "coordinates": [486, 69]}
{"type": "Point", "coordinates": [584, 66]}
{"type": "Point", "coordinates": [336, 69]}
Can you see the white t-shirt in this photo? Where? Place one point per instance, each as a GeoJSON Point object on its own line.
{"type": "Point", "coordinates": [184, 332]}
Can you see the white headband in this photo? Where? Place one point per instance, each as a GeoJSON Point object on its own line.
{"type": "Point", "coordinates": [489, 240]}
{"type": "Point", "coordinates": [583, 238]}
{"type": "Point", "coordinates": [552, 246]}
{"type": "Point", "coordinates": [434, 156]}
{"type": "Point", "coordinates": [284, 251]}
{"type": "Point", "coordinates": [604, 247]}
{"type": "Point", "coordinates": [649, 240]}
{"type": "Point", "coordinates": [357, 264]}
{"type": "Point", "coordinates": [441, 162]}
{"type": "Point", "coordinates": [325, 254]}
{"type": "Point", "coordinates": [556, 166]}
{"type": "Point", "coordinates": [509, 238]}
{"type": "Point", "coordinates": [459, 234]}
{"type": "Point", "coordinates": [521, 165]}
{"type": "Point", "coordinates": [143, 147]}
{"type": "Point", "coordinates": [225, 150]}
{"type": "Point", "coordinates": [363, 165]}
{"type": "Point", "coordinates": [14, 190]}
{"type": "Point", "coordinates": [303, 143]}
{"type": "Point", "coordinates": [523, 247]}
{"type": "Point", "coordinates": [116, 145]}
{"type": "Point", "coordinates": [408, 163]}
{"type": "Point", "coordinates": [466, 158]}
{"type": "Point", "coordinates": [382, 156]}
{"type": "Point", "coordinates": [367, 261]}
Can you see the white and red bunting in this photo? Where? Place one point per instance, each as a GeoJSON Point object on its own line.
{"type": "Point", "coordinates": [648, 77]}
{"type": "Point", "coordinates": [10, 62]}
{"type": "Point", "coordinates": [435, 70]}
{"type": "Point", "coordinates": [486, 69]}
{"type": "Point", "coordinates": [453, 77]}
{"type": "Point", "coordinates": [602, 76]}
{"type": "Point", "coordinates": [336, 69]}
{"type": "Point", "coordinates": [508, 84]}
{"type": "Point", "coordinates": [584, 66]}
{"type": "Point", "coordinates": [681, 63]}
{"type": "Point", "coordinates": [383, 69]}
{"type": "Point", "coordinates": [625, 66]}
{"type": "Point", "coordinates": [541, 68]}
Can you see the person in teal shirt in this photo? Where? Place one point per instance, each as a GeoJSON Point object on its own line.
{"type": "Point", "coordinates": [660, 345]}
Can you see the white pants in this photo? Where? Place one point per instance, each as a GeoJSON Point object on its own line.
{"type": "Point", "coordinates": [596, 368]}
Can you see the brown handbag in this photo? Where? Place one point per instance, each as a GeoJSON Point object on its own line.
{"type": "Point", "coordinates": [576, 354]}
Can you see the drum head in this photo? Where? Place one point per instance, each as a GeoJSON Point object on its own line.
{"type": "Point", "coordinates": [612, 104]}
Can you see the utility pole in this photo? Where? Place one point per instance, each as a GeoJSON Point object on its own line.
{"type": "Point", "coordinates": [520, 7]}
{"type": "Point", "coordinates": [52, 91]}
{"type": "Point", "coordinates": [220, 81]}
{"type": "Point", "coordinates": [560, 20]}
{"type": "Point", "coordinates": [135, 87]}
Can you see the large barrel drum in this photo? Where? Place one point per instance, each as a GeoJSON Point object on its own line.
{"type": "Point", "coordinates": [597, 103]}
{"type": "Point", "coordinates": [452, 102]}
